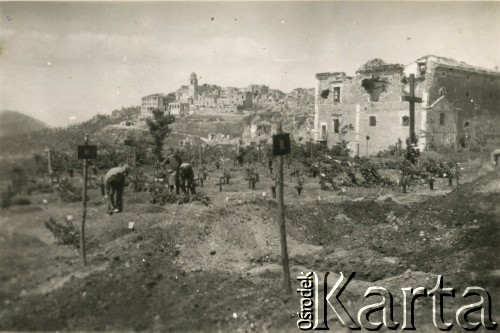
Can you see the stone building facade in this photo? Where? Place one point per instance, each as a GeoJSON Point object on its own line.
{"type": "Point", "coordinates": [179, 108]}
{"type": "Point", "coordinates": [152, 102]}
{"type": "Point", "coordinates": [367, 110]}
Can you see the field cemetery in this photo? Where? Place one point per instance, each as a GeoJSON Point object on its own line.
{"type": "Point", "coordinates": [212, 261]}
{"type": "Point", "coordinates": [249, 166]}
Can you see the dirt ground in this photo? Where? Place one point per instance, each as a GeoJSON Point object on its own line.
{"type": "Point", "coordinates": [217, 268]}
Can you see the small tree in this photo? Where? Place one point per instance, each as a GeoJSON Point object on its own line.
{"type": "Point", "coordinates": [158, 127]}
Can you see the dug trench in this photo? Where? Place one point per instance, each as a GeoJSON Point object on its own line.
{"type": "Point", "coordinates": [217, 268]}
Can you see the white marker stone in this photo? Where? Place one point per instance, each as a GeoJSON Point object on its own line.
{"type": "Point", "coordinates": [131, 225]}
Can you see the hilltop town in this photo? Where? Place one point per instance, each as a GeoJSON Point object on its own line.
{"type": "Point", "coordinates": [458, 106]}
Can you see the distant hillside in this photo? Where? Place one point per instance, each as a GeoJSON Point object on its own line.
{"type": "Point", "coordinates": [13, 123]}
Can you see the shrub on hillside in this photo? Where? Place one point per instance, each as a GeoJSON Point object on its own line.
{"type": "Point", "coordinates": [67, 192]}
{"type": "Point", "coordinates": [161, 196]}
{"type": "Point", "coordinates": [371, 176]}
{"type": "Point", "coordinates": [65, 234]}
{"type": "Point", "coordinates": [20, 201]}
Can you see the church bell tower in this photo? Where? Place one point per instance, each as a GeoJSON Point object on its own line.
{"type": "Point", "coordinates": [193, 87]}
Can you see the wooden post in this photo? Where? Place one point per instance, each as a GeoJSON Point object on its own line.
{"type": "Point", "coordinates": [82, 226]}
{"type": "Point", "coordinates": [201, 155]}
{"type": "Point", "coordinates": [49, 160]}
{"type": "Point", "coordinates": [281, 219]}
{"type": "Point", "coordinates": [260, 156]}
{"type": "Point", "coordinates": [136, 187]}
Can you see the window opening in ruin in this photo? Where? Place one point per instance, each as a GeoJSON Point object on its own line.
{"type": "Point", "coordinates": [323, 132]}
{"type": "Point", "coordinates": [442, 91]}
{"type": "Point", "coordinates": [325, 93]}
{"type": "Point", "coordinates": [405, 121]}
{"type": "Point", "coordinates": [336, 94]}
{"type": "Point", "coordinates": [336, 125]}
{"type": "Point", "coordinates": [374, 86]}
{"type": "Point", "coordinates": [441, 119]}
{"type": "Point", "coordinates": [467, 93]}
{"type": "Point", "coordinates": [373, 121]}
{"type": "Point", "coordinates": [466, 124]}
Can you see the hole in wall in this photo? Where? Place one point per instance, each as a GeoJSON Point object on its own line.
{"type": "Point", "coordinates": [374, 86]}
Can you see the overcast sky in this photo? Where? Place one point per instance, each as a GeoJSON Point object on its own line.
{"type": "Point", "coordinates": [64, 62]}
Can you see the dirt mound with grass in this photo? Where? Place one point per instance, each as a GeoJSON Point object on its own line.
{"type": "Point", "coordinates": [237, 237]}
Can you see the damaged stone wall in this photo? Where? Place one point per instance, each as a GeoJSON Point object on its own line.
{"type": "Point", "coordinates": [387, 108]}
{"type": "Point", "coordinates": [441, 125]}
{"type": "Point", "coordinates": [473, 92]}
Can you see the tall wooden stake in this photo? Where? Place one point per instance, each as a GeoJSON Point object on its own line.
{"type": "Point", "coordinates": [281, 219]}
{"type": "Point", "coordinates": [49, 158]}
{"type": "Point", "coordinates": [135, 169]}
{"type": "Point", "coordinates": [82, 226]}
{"type": "Point", "coordinates": [201, 154]}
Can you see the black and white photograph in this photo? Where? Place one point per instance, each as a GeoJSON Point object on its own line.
{"type": "Point", "coordinates": [249, 166]}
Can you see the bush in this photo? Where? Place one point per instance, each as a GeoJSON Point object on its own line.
{"type": "Point", "coordinates": [371, 176]}
{"type": "Point", "coordinates": [6, 201]}
{"type": "Point", "coordinates": [20, 201]}
{"type": "Point", "coordinates": [67, 192]}
{"type": "Point", "coordinates": [65, 234]}
{"type": "Point", "coordinates": [161, 196]}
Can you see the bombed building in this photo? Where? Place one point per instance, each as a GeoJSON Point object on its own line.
{"type": "Point", "coordinates": [459, 105]}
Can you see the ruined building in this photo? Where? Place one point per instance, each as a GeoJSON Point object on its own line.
{"type": "Point", "coordinates": [460, 105]}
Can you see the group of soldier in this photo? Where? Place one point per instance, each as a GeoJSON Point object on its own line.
{"type": "Point", "coordinates": [179, 176]}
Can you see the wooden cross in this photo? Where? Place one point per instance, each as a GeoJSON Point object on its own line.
{"type": "Point", "coordinates": [412, 99]}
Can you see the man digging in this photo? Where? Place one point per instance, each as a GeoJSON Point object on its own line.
{"type": "Point", "coordinates": [114, 182]}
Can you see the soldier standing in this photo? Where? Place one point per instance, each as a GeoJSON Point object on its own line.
{"type": "Point", "coordinates": [172, 164]}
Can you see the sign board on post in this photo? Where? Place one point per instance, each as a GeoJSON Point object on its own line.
{"type": "Point", "coordinates": [281, 144]}
{"type": "Point", "coordinates": [87, 152]}
{"type": "Point", "coordinates": [128, 142]}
